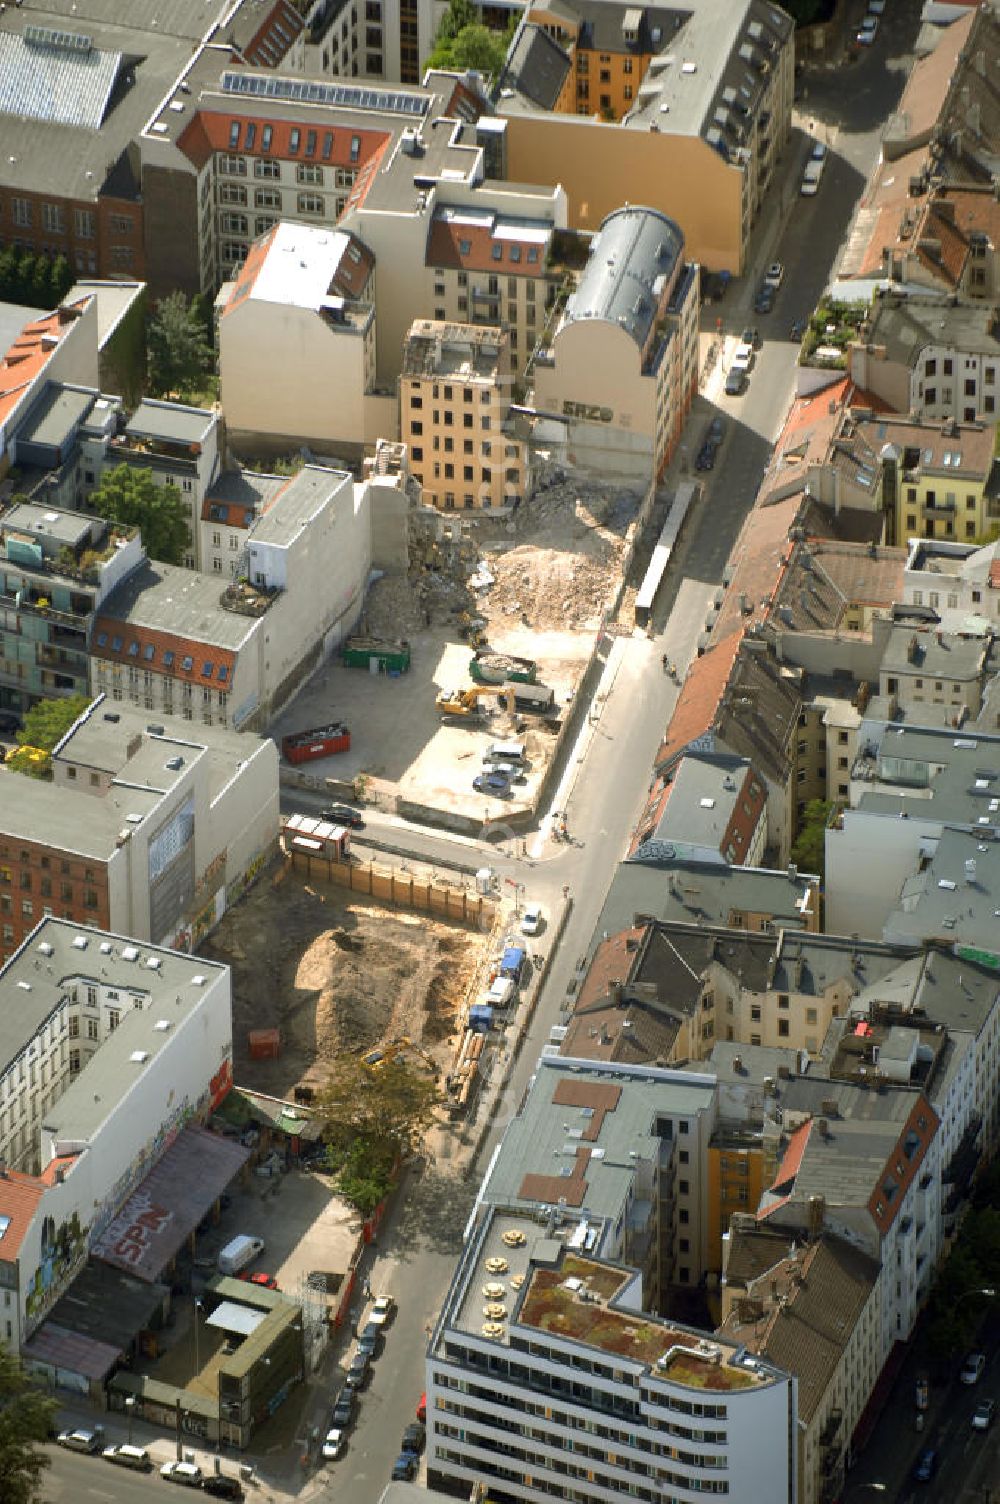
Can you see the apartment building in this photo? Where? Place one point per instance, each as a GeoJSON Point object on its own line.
{"type": "Point", "coordinates": [59, 346]}
{"type": "Point", "coordinates": [813, 1309]}
{"type": "Point", "coordinates": [455, 396]}
{"type": "Point", "coordinates": [704, 130]}
{"type": "Point", "coordinates": [955, 581]}
{"type": "Point", "coordinates": [303, 304]}
{"type": "Point", "coordinates": [114, 1051]}
{"type": "Point", "coordinates": [655, 882]}
{"type": "Point", "coordinates": [230, 510]}
{"type": "Point", "coordinates": [621, 369]}
{"type": "Point", "coordinates": [716, 811]}
{"type": "Point", "coordinates": [933, 675]}
{"type": "Point", "coordinates": [939, 360]}
{"type": "Point", "coordinates": [231, 652]}
{"type": "Point", "coordinates": [153, 827]}
{"type": "Point", "coordinates": [596, 56]}
{"type": "Point", "coordinates": [569, 1389]}
{"type": "Point", "coordinates": [56, 570]}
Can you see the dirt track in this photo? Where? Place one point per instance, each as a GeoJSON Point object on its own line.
{"type": "Point", "coordinates": [334, 973]}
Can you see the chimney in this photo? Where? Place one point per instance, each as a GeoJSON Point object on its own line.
{"type": "Point", "coordinates": [616, 992]}
{"type": "Point", "coordinates": [817, 1215]}
{"type": "Point", "coordinates": [824, 1128]}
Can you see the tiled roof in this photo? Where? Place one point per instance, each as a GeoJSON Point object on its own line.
{"type": "Point", "coordinates": [926, 93]}
{"type": "Point", "coordinates": [28, 356]}
{"type": "Point", "coordinates": [760, 711]}
{"type": "Point", "coordinates": [805, 1315]}
{"type": "Point", "coordinates": [274, 37]}
{"type": "Point", "coordinates": [210, 131]}
{"type": "Point", "coordinates": [825, 577]}
{"type": "Point", "coordinates": [161, 652]}
{"type": "Point", "coordinates": [466, 242]}
{"type": "Point", "coordinates": [761, 553]}
{"type": "Point", "coordinates": [19, 1198]}
{"type": "Point", "coordinates": [536, 67]}
{"type": "Point", "coordinates": [699, 699]}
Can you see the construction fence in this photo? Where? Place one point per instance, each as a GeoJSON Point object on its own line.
{"type": "Point", "coordinates": [391, 885]}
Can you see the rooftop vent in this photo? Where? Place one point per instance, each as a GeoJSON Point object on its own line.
{"type": "Point", "coordinates": [198, 981]}
{"type": "Point", "coordinates": [79, 942]}
{"type": "Point", "coordinates": [139, 1057]}
{"type": "Point", "coordinates": [162, 1025]}
{"type": "Point", "coordinates": [154, 963]}
{"type": "Point", "coordinates": [130, 953]}
{"type": "Point", "coordinates": [46, 949]}
{"type": "Point", "coordinates": [106, 947]}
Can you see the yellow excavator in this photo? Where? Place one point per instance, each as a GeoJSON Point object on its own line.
{"type": "Point", "coordinates": [375, 1059]}
{"type": "Point", "coordinates": [464, 701]}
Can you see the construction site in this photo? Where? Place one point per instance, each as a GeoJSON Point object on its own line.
{"type": "Point", "coordinates": [321, 972]}
{"type": "Point", "coordinates": [499, 616]}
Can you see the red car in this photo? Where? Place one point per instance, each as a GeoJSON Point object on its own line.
{"type": "Point", "coordinates": [267, 1280]}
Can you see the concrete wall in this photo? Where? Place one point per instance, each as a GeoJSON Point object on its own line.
{"type": "Point", "coordinates": [388, 506]}
{"type": "Point", "coordinates": [601, 166]}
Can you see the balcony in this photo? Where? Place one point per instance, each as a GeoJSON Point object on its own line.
{"type": "Point", "coordinates": [939, 507]}
{"type": "Point", "coordinates": [40, 607]}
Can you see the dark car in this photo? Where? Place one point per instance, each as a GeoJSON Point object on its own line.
{"type": "Point", "coordinates": [716, 429]}
{"type": "Point", "coordinates": [705, 458]}
{"type": "Point", "coordinates": [764, 301]}
{"type": "Point", "coordinates": [404, 1467]}
{"type": "Point", "coordinates": [342, 814]}
{"type": "Point", "coordinates": [220, 1486]}
{"type": "Point", "coordinates": [358, 1371]}
{"type": "Point", "coordinates": [491, 783]}
{"type": "Point", "coordinates": [414, 1438]}
{"type": "Point", "coordinates": [751, 337]}
{"type": "Point", "coordinates": [343, 1410]}
{"type": "Point", "coordinates": [735, 382]}
{"type": "Point", "coordinates": [926, 1466]}
{"type": "Point", "coordinates": [370, 1339]}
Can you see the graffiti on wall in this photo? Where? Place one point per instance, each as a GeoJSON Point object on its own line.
{"type": "Point", "coordinates": [239, 885]}
{"type": "Point", "coordinates": [63, 1250]}
{"type": "Point", "coordinates": [146, 1219]}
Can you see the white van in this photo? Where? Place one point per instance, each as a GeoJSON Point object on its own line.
{"type": "Point", "coordinates": [237, 1254]}
{"type": "Point", "coordinates": [811, 176]}
{"type": "Point", "coordinates": [505, 752]}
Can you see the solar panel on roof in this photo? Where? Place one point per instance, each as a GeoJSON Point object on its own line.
{"type": "Point", "coordinates": [351, 96]}
{"type": "Point", "coordinates": [65, 41]}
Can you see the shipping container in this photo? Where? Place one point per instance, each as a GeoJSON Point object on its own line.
{"type": "Point", "coordinates": [320, 741]}
{"type": "Point", "coordinates": [376, 654]}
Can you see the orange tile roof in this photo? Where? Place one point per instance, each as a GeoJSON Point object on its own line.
{"type": "Point", "coordinates": [19, 1198]}
{"type": "Point", "coordinates": [612, 959]}
{"type": "Point", "coordinates": [250, 270]}
{"type": "Point", "coordinates": [28, 356]}
{"type": "Point", "coordinates": [926, 92]}
{"type": "Point", "coordinates": [447, 239]}
{"type": "Point", "coordinates": [209, 132]}
{"type": "Point", "coordinates": [950, 264]}
{"type": "Point", "coordinates": [210, 666]}
{"type": "Point", "coordinates": [699, 698]}
{"type": "Point", "coordinates": [975, 210]}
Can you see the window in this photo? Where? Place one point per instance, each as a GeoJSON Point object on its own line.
{"type": "Point", "coordinates": [251, 136]}
{"type": "Point", "coordinates": [235, 167]}
{"type": "Point", "coordinates": [234, 135]}
{"type": "Point", "coordinates": [309, 173]}
{"type": "Point", "coordinates": [265, 140]}
{"type": "Point", "coordinates": [310, 203]}
{"type": "Point", "coordinates": [84, 224]}
{"type": "Point", "coordinates": [21, 209]}
{"type": "Point", "coordinates": [294, 139]}
{"type": "Point", "coordinates": [53, 219]}
{"type": "Point", "coordinates": [265, 167]}
{"type": "Point", "coordinates": [327, 145]}
{"type": "Point", "coordinates": [310, 143]}
{"type": "Point", "coordinates": [267, 198]}
{"type": "Point", "coordinates": [355, 148]}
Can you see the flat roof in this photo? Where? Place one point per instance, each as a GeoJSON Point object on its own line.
{"type": "Point", "coordinates": [171, 420]}
{"type": "Point", "coordinates": [114, 299]}
{"type": "Point", "coordinates": [658, 882]}
{"type": "Point", "coordinates": [302, 499]}
{"type": "Point", "coordinates": [944, 775]}
{"type": "Point", "coordinates": [948, 899]}
{"type": "Point", "coordinates": [167, 598]}
{"type": "Point", "coordinates": [71, 529]}
{"type": "Point", "coordinates": [57, 413]}
{"type": "Point", "coordinates": [229, 1316]}
{"type": "Point", "coordinates": [103, 1304]}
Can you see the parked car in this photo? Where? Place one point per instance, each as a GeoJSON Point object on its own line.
{"type": "Point", "coordinates": [717, 429]}
{"type": "Point", "coordinates": [705, 458]}
{"type": "Point", "coordinates": [343, 1410]}
{"type": "Point", "coordinates": [531, 919]}
{"type": "Point", "coordinates": [867, 31]}
{"type": "Point", "coordinates": [818, 153]}
{"type": "Point", "coordinates": [751, 337]}
{"type": "Point", "coordinates": [333, 1446]}
{"type": "Point", "coordinates": [129, 1456]}
{"type": "Point", "coordinates": [926, 1466]}
{"type": "Point", "coordinates": [735, 381]}
{"type": "Point", "coordinates": [742, 358]}
{"type": "Point", "coordinates": [404, 1468]}
{"type": "Point", "coordinates": [982, 1416]}
{"type": "Point", "coordinates": [775, 275]}
{"type": "Point", "coordinates": [370, 1339]}
{"type": "Point", "coordinates": [764, 301]}
{"type": "Point", "coordinates": [492, 783]}
{"type": "Point", "coordinates": [260, 1278]}
{"type": "Point", "coordinates": [186, 1473]}
{"type": "Point", "coordinates": [83, 1439]}
{"type": "Point", "coordinates": [382, 1311]}
{"type": "Point", "coordinates": [414, 1437]}
{"type": "Point", "coordinates": [342, 814]}
{"type": "Point", "coordinates": [358, 1370]}
{"type": "Point", "coordinates": [222, 1486]}
{"type": "Point", "coordinates": [922, 1392]}
{"type": "Point", "coordinates": [876, 7]}
{"type": "Point", "coordinates": [973, 1368]}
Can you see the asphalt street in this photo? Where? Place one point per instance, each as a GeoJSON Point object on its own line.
{"type": "Point", "coordinates": [606, 774]}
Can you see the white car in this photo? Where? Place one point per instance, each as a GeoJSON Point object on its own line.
{"type": "Point", "coordinates": [867, 31]}
{"type": "Point", "coordinates": [129, 1456]}
{"type": "Point", "coordinates": [973, 1368]}
{"type": "Point", "coordinates": [381, 1311]}
{"type": "Point", "coordinates": [775, 275]}
{"type": "Point", "coordinates": [982, 1416]}
{"type": "Point", "coordinates": [187, 1473]}
{"type": "Point", "coordinates": [743, 358]}
{"type": "Point", "coordinates": [333, 1446]}
{"type": "Point", "coordinates": [531, 919]}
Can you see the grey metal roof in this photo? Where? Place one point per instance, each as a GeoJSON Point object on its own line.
{"type": "Point", "coordinates": [56, 76]}
{"type": "Point", "coordinates": [635, 250]}
{"type": "Point", "coordinates": [941, 775]}
{"type": "Point", "coordinates": [948, 899]}
{"type": "Point", "coordinates": [651, 882]}
{"type": "Point", "coordinates": [246, 488]}
{"type": "Point", "coordinates": [53, 419]}
{"type": "Point", "coordinates": [299, 503]}
{"type": "Point", "coordinates": [166, 598]}
{"type": "Point", "coordinates": [69, 528]}
{"type": "Point", "coordinates": [536, 68]}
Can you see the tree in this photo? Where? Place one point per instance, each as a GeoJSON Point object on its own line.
{"type": "Point", "coordinates": [47, 722]}
{"type": "Point", "coordinates": [459, 13]}
{"type": "Point", "coordinates": [25, 278]}
{"type": "Point", "coordinates": [463, 41]}
{"type": "Point", "coordinates": [9, 262]}
{"type": "Point", "coordinates": [178, 350]}
{"type": "Point", "coordinates": [390, 1109]}
{"type": "Point", "coordinates": [809, 847]}
{"type": "Point", "coordinates": [129, 495]}
{"type": "Point", "coordinates": [41, 283]}
{"type": "Point", "coordinates": [26, 1417]}
{"type": "Point", "coordinates": [62, 279]}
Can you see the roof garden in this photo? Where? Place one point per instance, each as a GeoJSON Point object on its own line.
{"type": "Point", "coordinates": [572, 1302]}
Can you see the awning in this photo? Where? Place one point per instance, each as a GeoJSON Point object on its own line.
{"type": "Point", "coordinates": [171, 1201]}
{"type": "Point", "coordinates": [230, 1317]}
{"type": "Point", "coordinates": [70, 1352]}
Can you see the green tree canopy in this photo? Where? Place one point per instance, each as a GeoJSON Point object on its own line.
{"type": "Point", "coordinates": [26, 1416]}
{"type": "Point", "coordinates": [179, 357]}
{"type": "Point", "coordinates": [48, 721]}
{"type": "Point", "coordinates": [809, 847]}
{"type": "Point", "coordinates": [391, 1107]}
{"type": "Point", "coordinates": [129, 495]}
{"type": "Point", "coordinates": [463, 41]}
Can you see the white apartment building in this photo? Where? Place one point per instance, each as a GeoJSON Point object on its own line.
{"type": "Point", "coordinates": [955, 581]}
{"type": "Point", "coordinates": [109, 1048]}
{"type": "Point", "coordinates": [568, 1390]}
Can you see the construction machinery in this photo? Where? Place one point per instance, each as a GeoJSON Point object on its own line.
{"type": "Point", "coordinates": [488, 667]}
{"type": "Point", "coordinates": [384, 1054]}
{"type": "Point", "coordinates": [471, 628]}
{"type": "Point", "coordinates": [464, 702]}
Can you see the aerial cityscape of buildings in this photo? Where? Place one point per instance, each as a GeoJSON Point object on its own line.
{"type": "Point", "coordinates": [546, 638]}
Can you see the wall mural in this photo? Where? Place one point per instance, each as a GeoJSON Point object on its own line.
{"type": "Point", "coordinates": [64, 1249]}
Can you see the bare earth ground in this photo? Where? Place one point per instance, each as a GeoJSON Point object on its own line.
{"type": "Point", "coordinates": [334, 971]}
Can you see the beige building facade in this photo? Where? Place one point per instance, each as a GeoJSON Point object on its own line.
{"type": "Point", "coordinates": [454, 400]}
